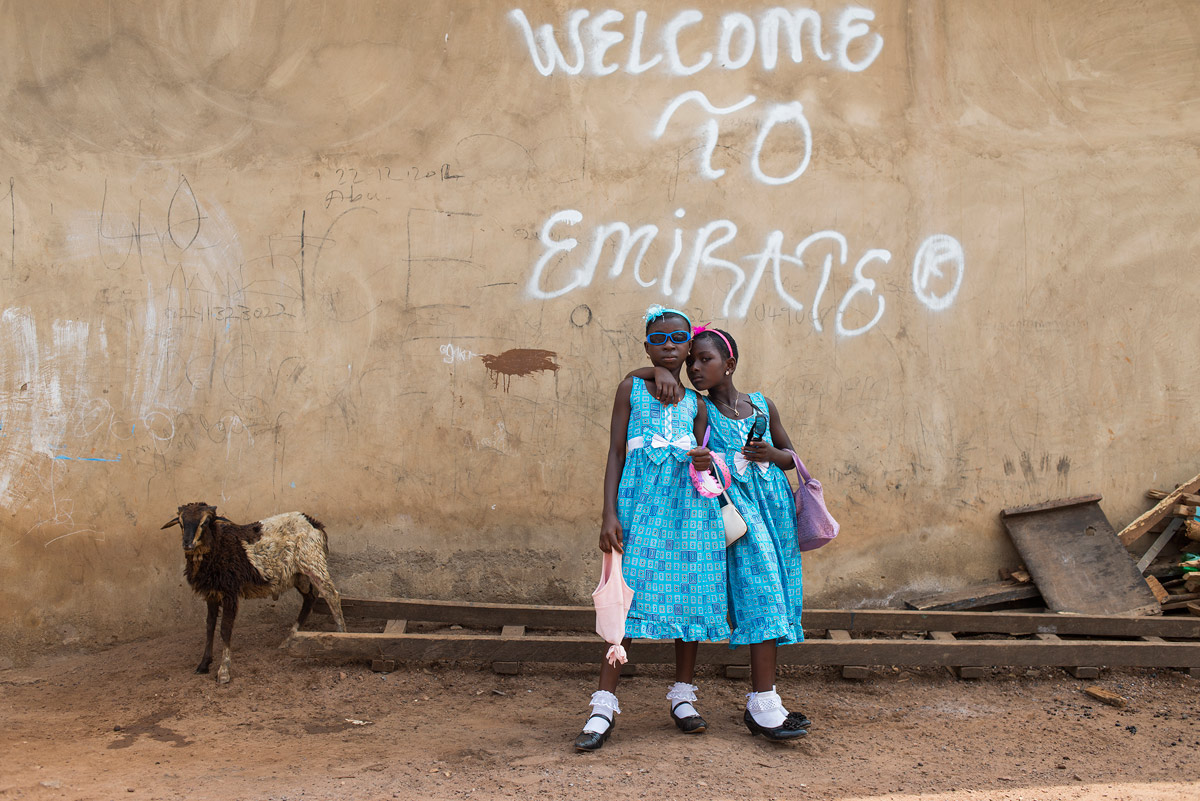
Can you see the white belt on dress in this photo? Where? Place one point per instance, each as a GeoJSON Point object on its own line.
{"type": "Point", "coordinates": [659, 441]}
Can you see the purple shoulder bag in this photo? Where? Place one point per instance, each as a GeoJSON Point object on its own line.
{"type": "Point", "coordinates": [814, 525]}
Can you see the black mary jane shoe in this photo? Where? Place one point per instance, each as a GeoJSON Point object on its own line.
{"type": "Point", "coordinates": [692, 724]}
{"type": "Point", "coordinates": [790, 729]}
{"type": "Point", "coordinates": [593, 740]}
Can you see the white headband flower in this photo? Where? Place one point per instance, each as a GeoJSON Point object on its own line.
{"type": "Point", "coordinates": [654, 312]}
{"type": "Point", "coordinates": [658, 310]}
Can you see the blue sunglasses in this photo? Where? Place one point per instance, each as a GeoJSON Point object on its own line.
{"type": "Point", "coordinates": [660, 338]}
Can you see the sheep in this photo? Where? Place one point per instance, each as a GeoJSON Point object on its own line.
{"type": "Point", "coordinates": [225, 562]}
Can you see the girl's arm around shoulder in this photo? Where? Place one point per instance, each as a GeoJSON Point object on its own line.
{"type": "Point", "coordinates": [618, 434]}
{"type": "Point", "coordinates": [661, 384]}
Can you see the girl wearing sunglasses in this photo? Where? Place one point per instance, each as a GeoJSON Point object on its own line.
{"type": "Point", "coordinates": [670, 536]}
{"type": "Point", "coordinates": [765, 588]}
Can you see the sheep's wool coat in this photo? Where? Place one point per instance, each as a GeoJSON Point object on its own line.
{"type": "Point", "coordinates": [289, 549]}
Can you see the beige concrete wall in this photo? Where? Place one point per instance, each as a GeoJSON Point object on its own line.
{"type": "Point", "coordinates": [316, 256]}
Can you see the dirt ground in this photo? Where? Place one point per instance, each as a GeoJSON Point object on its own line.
{"type": "Point", "coordinates": [134, 722]}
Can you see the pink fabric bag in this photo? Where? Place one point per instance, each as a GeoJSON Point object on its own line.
{"type": "Point", "coordinates": [612, 598]}
{"type": "Point", "coordinates": [814, 525]}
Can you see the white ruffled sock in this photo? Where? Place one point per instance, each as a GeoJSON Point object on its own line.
{"type": "Point", "coordinates": [603, 703]}
{"type": "Point", "coordinates": [685, 693]}
{"type": "Point", "coordinates": [766, 708]}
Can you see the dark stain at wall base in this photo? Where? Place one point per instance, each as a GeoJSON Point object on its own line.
{"type": "Point", "coordinates": [518, 362]}
{"type": "Point", "coordinates": [505, 575]}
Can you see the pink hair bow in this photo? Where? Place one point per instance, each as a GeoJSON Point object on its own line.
{"type": "Point", "coordinates": [702, 328]}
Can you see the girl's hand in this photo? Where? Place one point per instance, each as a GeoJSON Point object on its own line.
{"type": "Point", "coordinates": [701, 459]}
{"type": "Point", "coordinates": [666, 388]}
{"type": "Point", "coordinates": [760, 451]}
{"type": "Point", "coordinates": [610, 535]}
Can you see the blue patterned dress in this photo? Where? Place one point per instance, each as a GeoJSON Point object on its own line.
{"type": "Point", "coordinates": [766, 592]}
{"type": "Point", "coordinates": [673, 537]}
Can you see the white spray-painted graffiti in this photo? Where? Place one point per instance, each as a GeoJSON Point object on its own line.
{"type": "Point", "coordinates": [775, 115]}
{"type": "Point", "coordinates": [677, 278]}
{"type": "Point", "coordinates": [935, 252]}
{"type": "Point", "coordinates": [589, 44]}
{"type": "Point", "coordinates": [778, 35]}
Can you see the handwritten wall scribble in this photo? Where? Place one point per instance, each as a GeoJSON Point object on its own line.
{"type": "Point", "coordinates": [452, 353]}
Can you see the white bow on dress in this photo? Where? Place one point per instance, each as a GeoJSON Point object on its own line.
{"type": "Point", "coordinates": [740, 463]}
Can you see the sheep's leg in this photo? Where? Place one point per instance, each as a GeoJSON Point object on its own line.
{"type": "Point", "coordinates": [324, 586]}
{"type": "Point", "coordinates": [206, 660]}
{"type": "Point", "coordinates": [229, 610]}
{"type": "Point", "coordinates": [305, 608]}
{"type": "Point", "coordinates": [305, 588]}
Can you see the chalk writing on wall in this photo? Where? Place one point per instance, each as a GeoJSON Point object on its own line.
{"type": "Point", "coordinates": [596, 44]}
{"type": "Point", "coordinates": [452, 353]}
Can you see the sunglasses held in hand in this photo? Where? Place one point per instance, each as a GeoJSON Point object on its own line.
{"type": "Point", "coordinates": [757, 428]}
{"type": "Point", "coordinates": [660, 338]}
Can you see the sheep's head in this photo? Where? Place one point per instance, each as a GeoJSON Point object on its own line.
{"type": "Point", "coordinates": [194, 518]}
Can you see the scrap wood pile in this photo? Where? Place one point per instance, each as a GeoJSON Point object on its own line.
{"type": "Point", "coordinates": [1191, 581]}
{"type": "Point", "coordinates": [1165, 537]}
{"type": "Point", "coordinates": [1076, 562]}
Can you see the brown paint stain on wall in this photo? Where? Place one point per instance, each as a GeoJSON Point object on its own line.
{"type": "Point", "coordinates": [519, 362]}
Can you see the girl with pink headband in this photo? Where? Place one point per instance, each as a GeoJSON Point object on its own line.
{"type": "Point", "coordinates": [670, 537]}
{"type": "Point", "coordinates": [765, 581]}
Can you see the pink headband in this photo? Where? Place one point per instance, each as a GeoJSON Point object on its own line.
{"type": "Point", "coordinates": [701, 328]}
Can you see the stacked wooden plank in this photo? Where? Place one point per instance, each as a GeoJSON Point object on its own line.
{"type": "Point", "coordinates": [1096, 596]}
{"type": "Point", "coordinates": [979, 597]}
{"type": "Point", "coordinates": [509, 634]}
